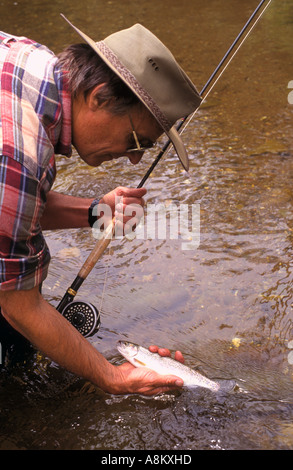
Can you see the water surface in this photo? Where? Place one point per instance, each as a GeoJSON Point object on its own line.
{"type": "Point", "coordinates": [226, 304]}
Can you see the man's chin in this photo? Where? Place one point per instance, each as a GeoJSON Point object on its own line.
{"type": "Point", "coordinates": [99, 159]}
{"type": "Point", "coordinates": [96, 161]}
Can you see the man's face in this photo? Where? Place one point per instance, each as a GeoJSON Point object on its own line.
{"type": "Point", "coordinates": [99, 135]}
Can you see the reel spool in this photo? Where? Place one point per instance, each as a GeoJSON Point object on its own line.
{"type": "Point", "coordinates": [84, 316]}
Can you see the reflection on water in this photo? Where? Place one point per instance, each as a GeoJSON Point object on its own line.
{"type": "Point", "coordinates": [228, 304]}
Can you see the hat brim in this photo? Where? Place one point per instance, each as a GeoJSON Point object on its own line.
{"type": "Point", "coordinates": [172, 133]}
{"type": "Point", "coordinates": [179, 147]}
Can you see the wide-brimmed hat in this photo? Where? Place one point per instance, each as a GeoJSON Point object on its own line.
{"type": "Point", "coordinates": [150, 70]}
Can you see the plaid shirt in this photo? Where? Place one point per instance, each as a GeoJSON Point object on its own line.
{"type": "Point", "coordinates": [35, 123]}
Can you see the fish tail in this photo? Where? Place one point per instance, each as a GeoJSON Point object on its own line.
{"type": "Point", "coordinates": [226, 386]}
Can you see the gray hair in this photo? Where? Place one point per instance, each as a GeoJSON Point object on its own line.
{"type": "Point", "coordinates": [85, 69]}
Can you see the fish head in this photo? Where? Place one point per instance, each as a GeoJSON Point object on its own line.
{"type": "Point", "coordinates": [127, 349]}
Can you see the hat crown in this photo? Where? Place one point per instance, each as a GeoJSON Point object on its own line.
{"type": "Point", "coordinates": [156, 70]}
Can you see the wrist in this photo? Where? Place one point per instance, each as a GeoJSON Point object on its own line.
{"type": "Point", "coordinates": [108, 381]}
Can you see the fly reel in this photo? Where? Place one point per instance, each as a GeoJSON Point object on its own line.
{"type": "Point", "coordinates": [84, 316]}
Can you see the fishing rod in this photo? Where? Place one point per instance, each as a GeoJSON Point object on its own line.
{"type": "Point", "coordinates": [219, 70]}
{"type": "Point", "coordinates": [84, 316]}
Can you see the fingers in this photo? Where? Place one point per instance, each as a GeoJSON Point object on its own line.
{"type": "Point", "coordinates": [165, 352]}
{"type": "Point", "coordinates": [154, 383]}
{"type": "Point", "coordinates": [168, 385]}
{"type": "Point", "coordinates": [130, 192]}
{"type": "Point", "coordinates": [162, 351]}
{"type": "Point", "coordinates": [179, 357]}
{"type": "Point", "coordinates": [124, 195]}
{"type": "Point", "coordinates": [128, 197]}
{"type": "Point", "coordinates": [129, 202]}
{"type": "Point", "coordinates": [128, 209]}
{"type": "Point", "coordinates": [147, 382]}
{"type": "Point", "coordinates": [123, 204]}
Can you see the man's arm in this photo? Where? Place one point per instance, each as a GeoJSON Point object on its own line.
{"type": "Point", "coordinates": [30, 314]}
{"type": "Point", "coordinates": [63, 211]}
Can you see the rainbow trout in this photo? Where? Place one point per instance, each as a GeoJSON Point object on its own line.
{"type": "Point", "coordinates": [142, 357]}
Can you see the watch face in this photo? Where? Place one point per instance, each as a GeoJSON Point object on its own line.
{"type": "Point", "coordinates": [92, 218]}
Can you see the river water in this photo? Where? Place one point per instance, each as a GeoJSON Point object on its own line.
{"type": "Point", "coordinates": [225, 302]}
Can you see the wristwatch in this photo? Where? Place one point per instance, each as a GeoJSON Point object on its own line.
{"type": "Point", "coordinates": [92, 218]}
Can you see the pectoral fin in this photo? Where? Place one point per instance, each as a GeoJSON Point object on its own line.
{"type": "Point", "coordinates": [139, 362]}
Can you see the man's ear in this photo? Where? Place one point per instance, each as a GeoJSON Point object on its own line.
{"type": "Point", "coordinates": [94, 98]}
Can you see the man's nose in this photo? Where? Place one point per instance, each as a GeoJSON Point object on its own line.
{"type": "Point", "coordinates": [135, 157]}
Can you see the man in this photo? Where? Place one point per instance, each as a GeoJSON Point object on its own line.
{"type": "Point", "coordinates": [109, 99]}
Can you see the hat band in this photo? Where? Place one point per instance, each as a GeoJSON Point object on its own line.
{"type": "Point", "coordinates": [130, 79]}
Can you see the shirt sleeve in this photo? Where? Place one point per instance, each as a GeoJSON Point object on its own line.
{"type": "Point", "coordinates": [24, 255]}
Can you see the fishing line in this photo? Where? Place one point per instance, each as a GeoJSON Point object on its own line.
{"type": "Point", "coordinates": [210, 84]}
{"type": "Point", "coordinates": [84, 316]}
{"type": "Point", "coordinates": [202, 94]}
{"type": "Point", "coordinates": [104, 287]}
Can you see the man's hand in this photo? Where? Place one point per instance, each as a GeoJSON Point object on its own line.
{"type": "Point", "coordinates": [125, 204]}
{"type": "Point", "coordinates": [145, 381]}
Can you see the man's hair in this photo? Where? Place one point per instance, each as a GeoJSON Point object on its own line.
{"type": "Point", "coordinates": [85, 69]}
